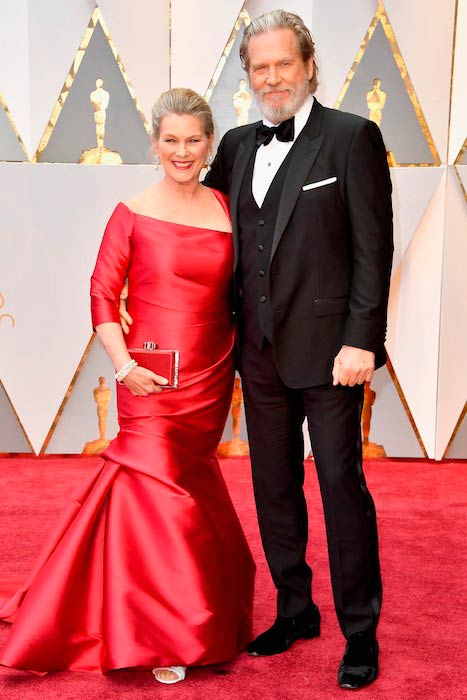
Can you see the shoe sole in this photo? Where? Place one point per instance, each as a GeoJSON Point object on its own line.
{"type": "Point", "coordinates": [346, 686]}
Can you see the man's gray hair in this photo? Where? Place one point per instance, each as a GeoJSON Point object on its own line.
{"type": "Point", "coordinates": [280, 19]}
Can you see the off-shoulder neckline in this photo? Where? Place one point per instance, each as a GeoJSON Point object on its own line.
{"type": "Point", "coordinates": [173, 223]}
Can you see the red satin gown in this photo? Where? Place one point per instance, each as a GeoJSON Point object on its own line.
{"type": "Point", "coordinates": [148, 565]}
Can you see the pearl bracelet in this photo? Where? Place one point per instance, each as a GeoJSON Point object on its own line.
{"type": "Point", "coordinates": [125, 370]}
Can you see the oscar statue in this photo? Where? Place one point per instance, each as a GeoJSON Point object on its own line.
{"type": "Point", "coordinates": [242, 102]}
{"type": "Point", "coordinates": [370, 449]}
{"type": "Point", "coordinates": [100, 155]}
{"type": "Point", "coordinates": [235, 447]}
{"type": "Point", "coordinates": [102, 398]}
{"type": "Point", "coordinates": [375, 100]}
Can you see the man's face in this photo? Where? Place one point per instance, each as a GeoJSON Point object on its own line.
{"type": "Point", "coordinates": [278, 75]}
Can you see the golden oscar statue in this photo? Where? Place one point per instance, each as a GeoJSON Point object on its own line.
{"type": "Point", "coordinates": [100, 155]}
{"type": "Point", "coordinates": [370, 449]}
{"type": "Point", "coordinates": [102, 398]}
{"type": "Point", "coordinates": [375, 100]}
{"type": "Point", "coordinates": [242, 102]}
{"type": "Point", "coordinates": [235, 447]}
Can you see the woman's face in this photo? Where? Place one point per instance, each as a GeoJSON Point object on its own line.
{"type": "Point", "coordinates": [182, 147]}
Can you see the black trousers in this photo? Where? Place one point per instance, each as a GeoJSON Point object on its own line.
{"type": "Point", "coordinates": [275, 414]}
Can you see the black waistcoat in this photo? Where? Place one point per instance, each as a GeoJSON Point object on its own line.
{"type": "Point", "coordinates": [256, 230]}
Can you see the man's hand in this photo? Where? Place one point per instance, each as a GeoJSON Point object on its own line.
{"type": "Point", "coordinates": [125, 318]}
{"type": "Point", "coordinates": [353, 366]}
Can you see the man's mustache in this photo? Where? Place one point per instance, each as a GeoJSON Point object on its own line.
{"type": "Point", "coordinates": [261, 93]}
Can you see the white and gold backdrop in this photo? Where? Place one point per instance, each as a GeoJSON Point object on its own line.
{"type": "Point", "coordinates": [53, 208]}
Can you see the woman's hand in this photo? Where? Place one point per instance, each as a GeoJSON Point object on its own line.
{"type": "Point", "coordinates": [142, 382]}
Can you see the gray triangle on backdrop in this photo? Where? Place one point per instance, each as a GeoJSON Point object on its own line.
{"type": "Point", "coordinates": [78, 423]}
{"type": "Point", "coordinates": [75, 130]}
{"type": "Point", "coordinates": [10, 147]}
{"type": "Point", "coordinates": [228, 84]}
{"type": "Point", "coordinates": [463, 158]}
{"type": "Point", "coordinates": [390, 426]}
{"type": "Point", "coordinates": [402, 132]}
{"type": "Point", "coordinates": [458, 448]}
{"type": "Point", "coordinates": [12, 437]}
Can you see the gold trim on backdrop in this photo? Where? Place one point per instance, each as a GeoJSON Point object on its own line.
{"type": "Point", "coordinates": [13, 125]}
{"type": "Point", "coordinates": [406, 406]}
{"type": "Point", "coordinates": [19, 423]}
{"type": "Point", "coordinates": [381, 16]}
{"type": "Point", "coordinates": [454, 37]}
{"type": "Point", "coordinates": [67, 395]}
{"type": "Point", "coordinates": [95, 19]}
{"type": "Point", "coordinates": [461, 153]}
{"type": "Point", "coordinates": [457, 162]}
{"type": "Point", "coordinates": [243, 18]}
{"type": "Point", "coordinates": [464, 191]}
{"type": "Point", "coordinates": [456, 430]}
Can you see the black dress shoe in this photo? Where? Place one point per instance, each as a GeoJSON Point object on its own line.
{"type": "Point", "coordinates": [359, 665]}
{"type": "Point", "coordinates": [285, 631]}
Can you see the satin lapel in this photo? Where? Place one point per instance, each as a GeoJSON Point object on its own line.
{"type": "Point", "coordinates": [242, 159]}
{"type": "Point", "coordinates": [305, 152]}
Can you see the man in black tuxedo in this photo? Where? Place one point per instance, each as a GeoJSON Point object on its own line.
{"type": "Point", "coordinates": [310, 199]}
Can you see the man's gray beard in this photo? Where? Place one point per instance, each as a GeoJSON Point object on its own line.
{"type": "Point", "coordinates": [280, 114]}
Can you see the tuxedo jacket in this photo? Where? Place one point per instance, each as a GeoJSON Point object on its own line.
{"type": "Point", "coordinates": [331, 254]}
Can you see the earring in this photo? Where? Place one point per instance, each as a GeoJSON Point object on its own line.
{"type": "Point", "coordinates": [157, 161]}
{"type": "Point", "coordinates": [209, 159]}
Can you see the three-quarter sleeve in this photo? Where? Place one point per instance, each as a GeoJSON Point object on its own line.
{"type": "Point", "coordinates": [112, 266]}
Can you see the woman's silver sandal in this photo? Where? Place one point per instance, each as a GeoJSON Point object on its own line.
{"type": "Point", "coordinates": [180, 672]}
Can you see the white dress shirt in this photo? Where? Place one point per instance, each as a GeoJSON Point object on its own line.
{"type": "Point", "coordinates": [270, 158]}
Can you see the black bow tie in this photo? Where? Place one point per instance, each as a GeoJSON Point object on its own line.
{"type": "Point", "coordinates": [283, 132]}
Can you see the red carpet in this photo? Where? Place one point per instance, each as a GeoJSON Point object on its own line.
{"type": "Point", "coordinates": [422, 515]}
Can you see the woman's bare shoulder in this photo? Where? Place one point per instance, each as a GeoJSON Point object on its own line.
{"type": "Point", "coordinates": [139, 202]}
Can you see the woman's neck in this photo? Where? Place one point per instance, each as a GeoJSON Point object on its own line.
{"type": "Point", "coordinates": [182, 190]}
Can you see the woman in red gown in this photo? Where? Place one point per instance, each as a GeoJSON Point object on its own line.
{"type": "Point", "coordinates": [148, 566]}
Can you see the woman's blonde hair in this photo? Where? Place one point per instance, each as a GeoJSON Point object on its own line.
{"type": "Point", "coordinates": [181, 101]}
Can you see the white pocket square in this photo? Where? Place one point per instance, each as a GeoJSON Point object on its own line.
{"type": "Point", "coordinates": [320, 183]}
